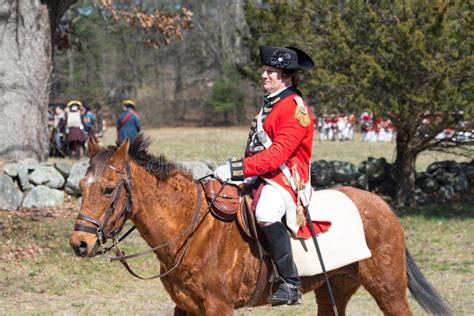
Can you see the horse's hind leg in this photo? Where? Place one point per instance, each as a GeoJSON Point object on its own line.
{"type": "Point", "coordinates": [384, 274]}
{"type": "Point", "coordinates": [389, 293]}
{"type": "Point", "coordinates": [384, 277]}
{"type": "Point", "coordinates": [343, 288]}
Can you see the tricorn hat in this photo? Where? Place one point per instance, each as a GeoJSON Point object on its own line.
{"type": "Point", "coordinates": [290, 58]}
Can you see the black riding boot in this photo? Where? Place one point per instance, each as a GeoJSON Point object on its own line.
{"type": "Point", "coordinates": [279, 246]}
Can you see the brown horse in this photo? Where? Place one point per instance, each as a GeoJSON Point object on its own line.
{"type": "Point", "coordinates": [212, 265]}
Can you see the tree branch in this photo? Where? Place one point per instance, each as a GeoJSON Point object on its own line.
{"type": "Point", "coordinates": [210, 43]}
{"type": "Point", "coordinates": [57, 8]}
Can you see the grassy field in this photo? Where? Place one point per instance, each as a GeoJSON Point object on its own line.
{"type": "Point", "coordinates": [40, 274]}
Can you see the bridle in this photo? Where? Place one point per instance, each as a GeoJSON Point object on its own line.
{"type": "Point", "coordinates": [102, 235]}
{"type": "Point", "coordinates": [100, 227]}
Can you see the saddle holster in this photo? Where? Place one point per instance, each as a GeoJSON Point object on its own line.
{"type": "Point", "coordinates": [223, 199]}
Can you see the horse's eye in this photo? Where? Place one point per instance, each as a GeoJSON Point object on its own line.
{"type": "Point", "coordinates": [108, 190]}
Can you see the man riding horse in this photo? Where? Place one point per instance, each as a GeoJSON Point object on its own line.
{"type": "Point", "coordinates": [207, 265]}
{"type": "Point", "coordinates": [277, 156]}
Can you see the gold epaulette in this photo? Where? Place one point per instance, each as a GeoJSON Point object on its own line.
{"type": "Point", "coordinates": [301, 113]}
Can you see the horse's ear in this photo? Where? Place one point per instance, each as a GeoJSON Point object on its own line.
{"type": "Point", "coordinates": [93, 147]}
{"type": "Point", "coordinates": [120, 156]}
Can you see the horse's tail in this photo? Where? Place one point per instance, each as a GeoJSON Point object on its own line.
{"type": "Point", "coordinates": [424, 292]}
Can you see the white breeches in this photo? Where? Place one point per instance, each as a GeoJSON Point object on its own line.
{"type": "Point", "coordinates": [271, 206]}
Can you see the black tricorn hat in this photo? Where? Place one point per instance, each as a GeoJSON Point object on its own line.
{"type": "Point", "coordinates": [290, 58]}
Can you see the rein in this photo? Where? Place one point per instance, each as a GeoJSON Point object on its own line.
{"type": "Point", "coordinates": [103, 235]}
{"type": "Point", "coordinates": [120, 255]}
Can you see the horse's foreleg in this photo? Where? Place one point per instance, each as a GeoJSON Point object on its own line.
{"type": "Point", "coordinates": [217, 307]}
{"type": "Point", "coordinates": [343, 288]}
{"type": "Point", "coordinates": [181, 312]}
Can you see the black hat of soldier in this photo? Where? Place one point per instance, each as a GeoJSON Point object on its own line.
{"type": "Point", "coordinates": [290, 58]}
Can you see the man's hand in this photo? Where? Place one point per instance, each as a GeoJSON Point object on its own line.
{"type": "Point", "coordinates": [223, 172]}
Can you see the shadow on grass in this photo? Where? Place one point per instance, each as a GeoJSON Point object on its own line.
{"type": "Point", "coordinates": [462, 208]}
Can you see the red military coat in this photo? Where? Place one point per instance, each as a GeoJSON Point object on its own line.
{"type": "Point", "coordinates": [291, 144]}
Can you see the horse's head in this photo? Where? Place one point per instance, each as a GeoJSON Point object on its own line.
{"type": "Point", "coordinates": [106, 199]}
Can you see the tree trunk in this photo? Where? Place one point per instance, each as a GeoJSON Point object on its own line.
{"type": "Point", "coordinates": [226, 118]}
{"type": "Point", "coordinates": [178, 86]}
{"type": "Point", "coordinates": [404, 171]}
{"type": "Point", "coordinates": [70, 60]}
{"type": "Point", "coordinates": [25, 69]}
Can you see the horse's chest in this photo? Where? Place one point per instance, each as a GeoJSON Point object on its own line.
{"type": "Point", "coordinates": [184, 289]}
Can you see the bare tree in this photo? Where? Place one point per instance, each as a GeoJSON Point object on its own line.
{"type": "Point", "coordinates": [25, 44]}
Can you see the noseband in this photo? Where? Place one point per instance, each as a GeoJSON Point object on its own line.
{"type": "Point", "coordinates": [99, 229]}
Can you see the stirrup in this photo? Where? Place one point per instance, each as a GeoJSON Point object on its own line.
{"type": "Point", "coordinates": [285, 294]}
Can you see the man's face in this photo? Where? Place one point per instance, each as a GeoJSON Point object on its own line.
{"type": "Point", "coordinates": [273, 80]}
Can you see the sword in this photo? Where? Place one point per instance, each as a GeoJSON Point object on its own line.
{"type": "Point", "coordinates": [304, 205]}
{"type": "Point", "coordinates": [321, 262]}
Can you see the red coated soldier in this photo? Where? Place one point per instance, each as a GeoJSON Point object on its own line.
{"type": "Point", "coordinates": [278, 152]}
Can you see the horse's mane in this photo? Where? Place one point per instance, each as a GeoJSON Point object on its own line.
{"type": "Point", "coordinates": [159, 166]}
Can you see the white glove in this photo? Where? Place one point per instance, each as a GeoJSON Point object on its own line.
{"type": "Point", "coordinates": [223, 172]}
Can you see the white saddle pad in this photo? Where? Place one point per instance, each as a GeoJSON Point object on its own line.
{"type": "Point", "coordinates": [343, 243]}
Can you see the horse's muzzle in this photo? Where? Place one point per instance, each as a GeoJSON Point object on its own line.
{"type": "Point", "coordinates": [80, 249]}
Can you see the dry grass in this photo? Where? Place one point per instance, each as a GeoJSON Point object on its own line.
{"type": "Point", "coordinates": [53, 281]}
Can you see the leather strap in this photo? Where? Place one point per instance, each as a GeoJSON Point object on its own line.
{"type": "Point", "coordinates": [188, 230]}
{"type": "Point", "coordinates": [125, 120]}
{"type": "Point", "coordinates": [120, 255]}
{"type": "Point", "coordinates": [119, 240]}
{"type": "Point", "coordinates": [264, 271]}
{"type": "Point", "coordinates": [84, 228]}
{"type": "Point", "coordinates": [262, 280]}
{"type": "Point", "coordinates": [89, 219]}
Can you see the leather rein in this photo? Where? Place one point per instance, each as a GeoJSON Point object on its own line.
{"type": "Point", "coordinates": [102, 234]}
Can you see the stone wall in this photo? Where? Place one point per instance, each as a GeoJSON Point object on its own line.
{"type": "Point", "coordinates": [30, 184]}
{"type": "Point", "coordinates": [441, 181]}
